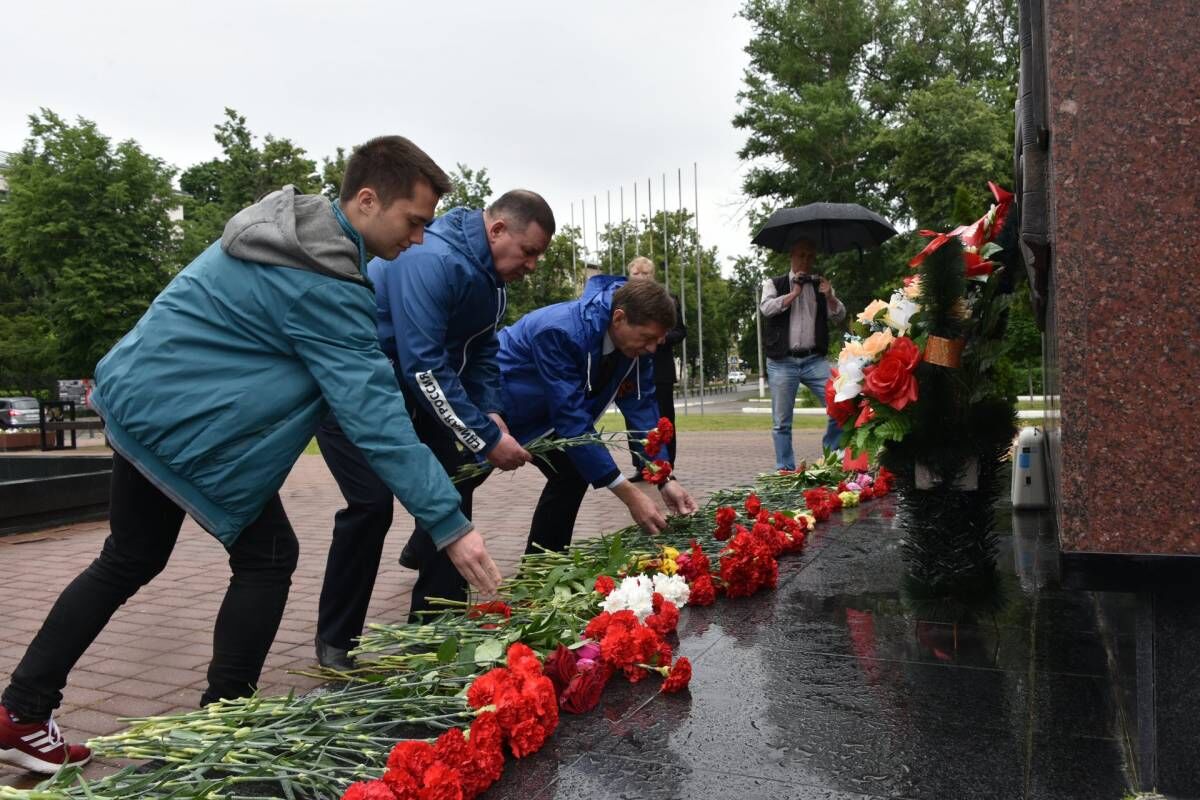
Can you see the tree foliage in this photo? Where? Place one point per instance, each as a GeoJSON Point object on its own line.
{"type": "Point", "coordinates": [904, 106]}
{"type": "Point", "coordinates": [87, 240]}
{"type": "Point", "coordinates": [470, 188]}
{"type": "Point", "coordinates": [244, 172]}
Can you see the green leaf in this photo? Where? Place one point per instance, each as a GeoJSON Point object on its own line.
{"type": "Point", "coordinates": [448, 651]}
{"type": "Point", "coordinates": [489, 650]}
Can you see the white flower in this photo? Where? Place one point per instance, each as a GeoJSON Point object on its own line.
{"type": "Point", "coordinates": [673, 588]}
{"type": "Point", "coordinates": [899, 313]}
{"type": "Point", "coordinates": [848, 383]}
{"type": "Point", "coordinates": [635, 593]}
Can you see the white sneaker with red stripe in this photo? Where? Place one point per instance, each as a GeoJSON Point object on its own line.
{"type": "Point", "coordinates": [37, 746]}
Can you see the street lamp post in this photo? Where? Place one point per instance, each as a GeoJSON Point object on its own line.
{"type": "Point", "coordinates": [762, 385]}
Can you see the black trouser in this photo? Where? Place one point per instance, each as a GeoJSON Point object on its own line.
{"type": "Point", "coordinates": [144, 525]}
{"type": "Point", "coordinates": [665, 393]}
{"type": "Point", "coordinates": [557, 508]}
{"type": "Point", "coordinates": [360, 528]}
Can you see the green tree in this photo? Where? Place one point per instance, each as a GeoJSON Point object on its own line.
{"type": "Point", "coordinates": [554, 281]}
{"type": "Point", "coordinates": [969, 142]}
{"type": "Point", "coordinates": [904, 106]}
{"type": "Point", "coordinates": [87, 232]}
{"type": "Point", "coordinates": [471, 188]}
{"type": "Point", "coordinates": [332, 172]}
{"type": "Point", "coordinates": [244, 172]}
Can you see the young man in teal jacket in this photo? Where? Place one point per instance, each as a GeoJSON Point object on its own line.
{"type": "Point", "coordinates": [209, 401]}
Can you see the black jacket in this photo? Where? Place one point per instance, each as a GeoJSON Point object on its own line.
{"type": "Point", "coordinates": [664, 356]}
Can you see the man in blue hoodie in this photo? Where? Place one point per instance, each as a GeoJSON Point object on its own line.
{"type": "Point", "coordinates": [439, 307]}
{"type": "Point", "coordinates": [208, 403]}
{"type": "Point", "coordinates": [560, 367]}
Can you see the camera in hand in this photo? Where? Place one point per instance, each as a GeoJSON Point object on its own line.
{"type": "Point", "coordinates": [804, 278]}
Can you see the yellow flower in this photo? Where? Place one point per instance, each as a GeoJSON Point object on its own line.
{"type": "Point", "coordinates": [872, 310]}
{"type": "Point", "coordinates": [670, 552]}
{"type": "Point", "coordinates": [876, 343]}
{"type": "Point", "coordinates": [849, 499]}
{"type": "Point", "coordinates": [668, 567]}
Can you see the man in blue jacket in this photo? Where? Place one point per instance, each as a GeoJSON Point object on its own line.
{"type": "Point", "coordinates": [439, 307]}
{"type": "Point", "coordinates": [209, 401]}
{"type": "Point", "coordinates": [561, 366]}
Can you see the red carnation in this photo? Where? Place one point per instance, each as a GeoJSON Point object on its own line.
{"type": "Point", "coordinates": [702, 591]}
{"type": "Point", "coordinates": [666, 430]}
{"type": "Point", "coordinates": [726, 516]}
{"type": "Point", "coordinates": [494, 607]}
{"type": "Point", "coordinates": [598, 625]}
{"type": "Point", "coordinates": [521, 659]}
{"type": "Point", "coordinates": [368, 790]}
{"type": "Point", "coordinates": [657, 473]}
{"type": "Point", "coordinates": [653, 444]}
{"type": "Point", "coordinates": [526, 738]}
{"type": "Point", "coordinates": [753, 505]}
{"type": "Point", "coordinates": [693, 563]}
{"type": "Point", "coordinates": [604, 585]}
{"type": "Point", "coordinates": [842, 410]}
{"type": "Point", "coordinates": [679, 676]}
{"type": "Point", "coordinates": [411, 756]}
{"type": "Point", "coordinates": [440, 782]}
{"type": "Point", "coordinates": [484, 689]}
{"type": "Point", "coordinates": [486, 733]}
{"type": "Point", "coordinates": [891, 381]}
{"type": "Point", "coordinates": [665, 617]}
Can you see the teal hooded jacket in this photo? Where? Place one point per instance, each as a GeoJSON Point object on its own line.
{"type": "Point", "coordinates": [219, 387]}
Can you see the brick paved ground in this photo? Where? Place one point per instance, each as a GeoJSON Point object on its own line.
{"type": "Point", "coordinates": [151, 659]}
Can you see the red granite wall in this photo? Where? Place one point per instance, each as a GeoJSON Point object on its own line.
{"type": "Point", "coordinates": [1124, 119]}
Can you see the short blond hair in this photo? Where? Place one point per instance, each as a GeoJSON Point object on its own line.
{"type": "Point", "coordinates": [640, 260]}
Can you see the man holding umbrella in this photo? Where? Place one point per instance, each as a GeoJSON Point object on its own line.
{"type": "Point", "coordinates": [798, 306]}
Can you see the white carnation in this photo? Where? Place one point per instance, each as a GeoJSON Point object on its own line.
{"type": "Point", "coordinates": [635, 593]}
{"type": "Point", "coordinates": [673, 588]}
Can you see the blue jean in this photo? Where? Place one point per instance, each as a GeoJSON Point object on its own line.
{"type": "Point", "coordinates": [784, 376]}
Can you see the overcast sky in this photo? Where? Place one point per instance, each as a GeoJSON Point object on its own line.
{"type": "Point", "coordinates": [567, 98]}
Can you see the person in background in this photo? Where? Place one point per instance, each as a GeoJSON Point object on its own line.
{"type": "Point", "coordinates": [642, 268]}
{"type": "Point", "coordinates": [797, 309]}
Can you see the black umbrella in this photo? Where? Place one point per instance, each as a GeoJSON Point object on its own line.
{"type": "Point", "coordinates": [834, 227]}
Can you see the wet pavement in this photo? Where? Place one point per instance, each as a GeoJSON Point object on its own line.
{"type": "Point", "coordinates": [834, 687]}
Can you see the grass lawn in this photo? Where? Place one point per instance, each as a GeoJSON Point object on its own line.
{"type": "Point", "coordinates": [693, 422]}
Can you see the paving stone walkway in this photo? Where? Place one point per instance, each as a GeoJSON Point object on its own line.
{"type": "Point", "coordinates": [152, 657]}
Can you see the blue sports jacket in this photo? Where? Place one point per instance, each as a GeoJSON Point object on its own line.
{"type": "Point", "coordinates": [549, 360]}
{"type": "Point", "coordinates": [446, 300]}
{"type": "Point", "coordinates": [221, 384]}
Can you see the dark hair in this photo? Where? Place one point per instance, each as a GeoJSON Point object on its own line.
{"type": "Point", "coordinates": [520, 207]}
{"type": "Point", "coordinates": [392, 166]}
{"type": "Point", "coordinates": [644, 302]}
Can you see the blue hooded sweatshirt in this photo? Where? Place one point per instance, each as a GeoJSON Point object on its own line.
{"type": "Point", "coordinates": [219, 387]}
{"type": "Point", "coordinates": [549, 365]}
{"type": "Point", "coordinates": [446, 300]}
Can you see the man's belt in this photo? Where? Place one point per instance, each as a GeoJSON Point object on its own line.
{"type": "Point", "coordinates": [801, 352]}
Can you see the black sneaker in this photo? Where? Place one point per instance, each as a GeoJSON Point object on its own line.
{"type": "Point", "coordinates": [332, 657]}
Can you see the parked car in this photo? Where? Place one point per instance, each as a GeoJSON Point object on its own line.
{"type": "Point", "coordinates": [737, 376]}
{"type": "Point", "coordinates": [18, 412]}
